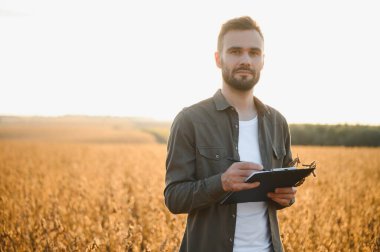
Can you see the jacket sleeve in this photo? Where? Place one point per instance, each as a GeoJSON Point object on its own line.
{"type": "Point", "coordinates": [183, 191]}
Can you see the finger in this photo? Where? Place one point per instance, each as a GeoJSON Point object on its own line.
{"type": "Point", "coordinates": [244, 186]}
{"type": "Point", "coordinates": [237, 179]}
{"type": "Point", "coordinates": [242, 173]}
{"type": "Point", "coordinates": [282, 202]}
{"type": "Point", "coordinates": [249, 166]}
{"type": "Point", "coordinates": [286, 190]}
{"type": "Point", "coordinates": [287, 196]}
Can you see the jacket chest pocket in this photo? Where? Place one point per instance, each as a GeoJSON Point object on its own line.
{"type": "Point", "coordinates": [211, 161]}
{"type": "Point", "coordinates": [279, 153]}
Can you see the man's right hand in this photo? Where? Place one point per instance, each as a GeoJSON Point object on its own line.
{"type": "Point", "coordinates": [233, 179]}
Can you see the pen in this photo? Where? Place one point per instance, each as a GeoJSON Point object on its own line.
{"type": "Point", "coordinates": [233, 160]}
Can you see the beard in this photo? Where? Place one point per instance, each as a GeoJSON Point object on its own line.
{"type": "Point", "coordinates": [242, 84]}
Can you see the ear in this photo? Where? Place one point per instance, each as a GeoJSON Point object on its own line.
{"type": "Point", "coordinates": [218, 60]}
{"type": "Point", "coordinates": [262, 64]}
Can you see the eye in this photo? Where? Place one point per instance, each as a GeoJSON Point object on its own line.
{"type": "Point", "coordinates": [234, 51]}
{"type": "Point", "coordinates": [255, 53]}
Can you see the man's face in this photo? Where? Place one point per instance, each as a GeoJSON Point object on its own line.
{"type": "Point", "coordinates": [241, 59]}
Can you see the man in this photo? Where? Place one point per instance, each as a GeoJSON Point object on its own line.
{"type": "Point", "coordinates": [205, 139]}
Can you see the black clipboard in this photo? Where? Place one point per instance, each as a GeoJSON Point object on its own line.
{"type": "Point", "coordinates": [269, 180]}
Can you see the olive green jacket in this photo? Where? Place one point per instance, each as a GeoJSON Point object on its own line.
{"type": "Point", "coordinates": [202, 142]}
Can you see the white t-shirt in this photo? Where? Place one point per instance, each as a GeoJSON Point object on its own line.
{"type": "Point", "coordinates": [252, 231]}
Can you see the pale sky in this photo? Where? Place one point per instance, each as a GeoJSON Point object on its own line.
{"type": "Point", "coordinates": [152, 58]}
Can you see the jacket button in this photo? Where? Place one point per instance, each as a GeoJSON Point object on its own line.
{"type": "Point", "coordinates": [230, 239]}
{"type": "Point", "coordinates": [236, 126]}
{"type": "Point", "coordinates": [217, 156]}
{"type": "Point", "coordinates": [233, 216]}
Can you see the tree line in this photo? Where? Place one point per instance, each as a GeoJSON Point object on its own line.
{"type": "Point", "coordinates": [343, 134]}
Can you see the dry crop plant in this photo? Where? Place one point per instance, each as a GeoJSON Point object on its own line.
{"type": "Point", "coordinates": [77, 197]}
{"type": "Point", "coordinates": [339, 210]}
{"type": "Point", "coordinates": [109, 197]}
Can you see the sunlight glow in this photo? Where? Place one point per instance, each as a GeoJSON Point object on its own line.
{"type": "Point", "coordinates": [122, 58]}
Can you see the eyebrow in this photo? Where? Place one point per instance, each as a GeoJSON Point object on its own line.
{"type": "Point", "coordinates": [239, 48]}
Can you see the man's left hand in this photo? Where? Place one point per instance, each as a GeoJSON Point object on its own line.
{"type": "Point", "coordinates": [284, 196]}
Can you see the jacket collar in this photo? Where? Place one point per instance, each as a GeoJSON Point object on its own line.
{"type": "Point", "coordinates": [221, 103]}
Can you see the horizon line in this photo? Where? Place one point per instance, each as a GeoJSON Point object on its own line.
{"type": "Point", "coordinates": [148, 118]}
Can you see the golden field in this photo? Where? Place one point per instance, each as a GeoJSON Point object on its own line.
{"type": "Point", "coordinates": [87, 193]}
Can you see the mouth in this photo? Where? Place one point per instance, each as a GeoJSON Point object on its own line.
{"type": "Point", "coordinates": [244, 72]}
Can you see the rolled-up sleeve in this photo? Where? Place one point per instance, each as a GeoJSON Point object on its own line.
{"type": "Point", "coordinates": [185, 192]}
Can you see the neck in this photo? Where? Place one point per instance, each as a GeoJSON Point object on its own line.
{"type": "Point", "coordinates": [242, 101]}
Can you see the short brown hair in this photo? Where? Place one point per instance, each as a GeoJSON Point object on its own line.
{"type": "Point", "coordinates": [240, 23]}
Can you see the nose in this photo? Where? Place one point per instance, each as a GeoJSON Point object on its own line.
{"type": "Point", "coordinates": [245, 59]}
